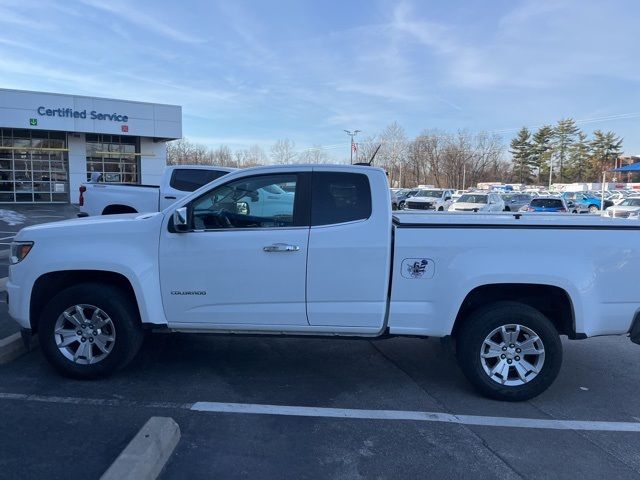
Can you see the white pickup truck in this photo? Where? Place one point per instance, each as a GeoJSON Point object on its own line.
{"type": "Point", "coordinates": [98, 198]}
{"type": "Point", "coordinates": [329, 260]}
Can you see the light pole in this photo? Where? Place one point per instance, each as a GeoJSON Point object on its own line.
{"type": "Point", "coordinates": [352, 134]}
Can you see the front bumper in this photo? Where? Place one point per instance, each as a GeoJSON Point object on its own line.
{"type": "Point", "coordinates": [17, 311]}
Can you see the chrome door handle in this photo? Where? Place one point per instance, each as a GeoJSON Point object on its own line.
{"type": "Point", "coordinates": [281, 247]}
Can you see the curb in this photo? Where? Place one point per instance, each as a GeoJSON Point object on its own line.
{"type": "Point", "coordinates": [145, 456]}
{"type": "Point", "coordinates": [12, 347]}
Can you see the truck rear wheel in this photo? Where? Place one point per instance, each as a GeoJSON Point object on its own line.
{"type": "Point", "coordinates": [509, 351]}
{"type": "Point", "coordinates": [90, 330]}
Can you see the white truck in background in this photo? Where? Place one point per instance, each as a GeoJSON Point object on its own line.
{"type": "Point", "coordinates": [325, 256]}
{"type": "Point", "coordinates": [98, 198]}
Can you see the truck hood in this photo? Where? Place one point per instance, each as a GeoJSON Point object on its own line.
{"type": "Point", "coordinates": [101, 223]}
{"type": "Point", "coordinates": [624, 208]}
{"type": "Point", "coordinates": [425, 199]}
{"type": "Point", "coordinates": [468, 206]}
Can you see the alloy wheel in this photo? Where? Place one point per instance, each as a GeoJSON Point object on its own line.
{"type": "Point", "coordinates": [84, 334]}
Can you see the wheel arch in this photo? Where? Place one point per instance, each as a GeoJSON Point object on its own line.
{"type": "Point", "coordinates": [50, 284]}
{"type": "Point", "coordinates": [116, 209]}
{"type": "Point", "coordinates": [552, 301]}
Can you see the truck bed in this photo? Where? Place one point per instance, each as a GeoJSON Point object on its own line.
{"type": "Point", "coordinates": [511, 220]}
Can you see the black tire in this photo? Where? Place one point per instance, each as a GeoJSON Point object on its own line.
{"type": "Point", "coordinates": [481, 323]}
{"type": "Point", "coordinates": [122, 311]}
{"type": "Point", "coordinates": [441, 209]}
{"type": "Point", "coordinates": [507, 209]}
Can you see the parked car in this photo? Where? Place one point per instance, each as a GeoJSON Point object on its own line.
{"type": "Point", "coordinates": [430, 199]}
{"type": "Point", "coordinates": [478, 202]}
{"type": "Point", "coordinates": [404, 194]}
{"type": "Point", "coordinates": [546, 204]}
{"type": "Point", "coordinates": [98, 198]}
{"type": "Point", "coordinates": [90, 287]}
{"type": "Point", "coordinates": [457, 194]}
{"type": "Point", "coordinates": [394, 199]}
{"type": "Point", "coordinates": [515, 201]}
{"type": "Point", "coordinates": [585, 199]}
{"type": "Point", "coordinates": [628, 208]}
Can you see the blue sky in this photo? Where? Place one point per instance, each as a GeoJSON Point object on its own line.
{"type": "Point", "coordinates": [250, 72]}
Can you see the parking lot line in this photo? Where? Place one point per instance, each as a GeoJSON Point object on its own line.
{"type": "Point", "coordinates": [345, 413]}
{"type": "Point", "coordinates": [7, 238]}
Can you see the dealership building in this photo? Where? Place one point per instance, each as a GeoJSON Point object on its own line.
{"type": "Point", "coordinates": [50, 143]}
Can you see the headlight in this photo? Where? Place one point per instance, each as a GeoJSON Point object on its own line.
{"type": "Point", "coordinates": [19, 250]}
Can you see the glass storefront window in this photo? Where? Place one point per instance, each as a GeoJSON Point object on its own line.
{"type": "Point", "coordinates": [113, 156]}
{"type": "Point", "coordinates": [33, 166]}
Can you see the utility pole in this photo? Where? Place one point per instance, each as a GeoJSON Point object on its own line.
{"type": "Point", "coordinates": [352, 134]}
{"type": "Point", "coordinates": [464, 175]}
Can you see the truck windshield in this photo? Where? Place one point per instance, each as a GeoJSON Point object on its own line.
{"type": "Point", "coordinates": [469, 198]}
{"type": "Point", "coordinates": [429, 193]}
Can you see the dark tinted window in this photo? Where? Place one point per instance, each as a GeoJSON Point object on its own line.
{"type": "Point", "coordinates": [547, 203]}
{"type": "Point", "coordinates": [191, 179]}
{"type": "Point", "coordinates": [339, 197]}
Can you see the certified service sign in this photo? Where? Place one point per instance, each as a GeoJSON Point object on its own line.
{"type": "Point", "coordinates": [416, 268]}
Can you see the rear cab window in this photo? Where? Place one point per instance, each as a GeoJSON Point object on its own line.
{"type": "Point", "coordinates": [191, 179]}
{"type": "Point", "coordinates": [339, 197]}
{"type": "Point", "coordinates": [547, 203]}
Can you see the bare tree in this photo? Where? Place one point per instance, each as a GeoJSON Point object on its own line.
{"type": "Point", "coordinates": [314, 154]}
{"type": "Point", "coordinates": [251, 157]}
{"type": "Point", "coordinates": [393, 153]}
{"type": "Point", "coordinates": [179, 151]}
{"type": "Point", "coordinates": [283, 151]}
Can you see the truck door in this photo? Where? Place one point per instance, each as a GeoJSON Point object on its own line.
{"type": "Point", "coordinates": [234, 267]}
{"type": "Point", "coordinates": [349, 249]}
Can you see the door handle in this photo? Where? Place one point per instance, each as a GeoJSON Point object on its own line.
{"type": "Point", "coordinates": [281, 247]}
{"type": "Point", "coordinates": [169, 198]}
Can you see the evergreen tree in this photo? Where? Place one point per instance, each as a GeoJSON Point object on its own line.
{"type": "Point", "coordinates": [579, 157]}
{"type": "Point", "coordinates": [564, 135]}
{"type": "Point", "coordinates": [543, 150]}
{"type": "Point", "coordinates": [605, 147]}
{"type": "Point", "coordinates": [523, 155]}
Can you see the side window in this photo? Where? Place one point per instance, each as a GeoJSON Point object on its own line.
{"type": "Point", "coordinates": [191, 179]}
{"type": "Point", "coordinates": [265, 201]}
{"type": "Point", "coordinates": [339, 197]}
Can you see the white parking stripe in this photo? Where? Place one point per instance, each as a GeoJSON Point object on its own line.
{"type": "Point", "coordinates": [7, 238]}
{"type": "Point", "coordinates": [346, 413]}
{"type": "Point", "coordinates": [415, 416]}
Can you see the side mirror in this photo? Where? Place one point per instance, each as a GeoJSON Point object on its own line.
{"type": "Point", "coordinates": [254, 196]}
{"type": "Point", "coordinates": [242, 208]}
{"type": "Point", "coordinates": [446, 199]}
{"type": "Point", "coordinates": [181, 219]}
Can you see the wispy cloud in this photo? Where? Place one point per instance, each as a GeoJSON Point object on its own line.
{"type": "Point", "coordinates": [142, 19]}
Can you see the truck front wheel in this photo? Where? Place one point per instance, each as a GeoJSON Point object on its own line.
{"type": "Point", "coordinates": [509, 351]}
{"type": "Point", "coordinates": [90, 330]}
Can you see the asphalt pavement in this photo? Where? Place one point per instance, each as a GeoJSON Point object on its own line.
{"type": "Point", "coordinates": [60, 428]}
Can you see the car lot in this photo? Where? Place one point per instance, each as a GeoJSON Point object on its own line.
{"type": "Point", "coordinates": [237, 401]}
